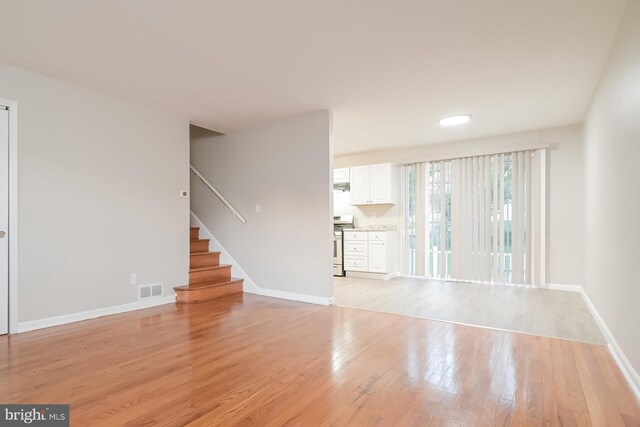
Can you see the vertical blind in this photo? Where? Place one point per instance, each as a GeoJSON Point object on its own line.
{"type": "Point", "coordinates": [476, 219]}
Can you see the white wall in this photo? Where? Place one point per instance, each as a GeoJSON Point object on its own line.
{"type": "Point", "coordinates": [99, 183]}
{"type": "Point", "coordinates": [565, 206]}
{"type": "Point", "coordinates": [285, 167]}
{"type": "Point", "coordinates": [565, 199]}
{"type": "Point", "coordinates": [612, 142]}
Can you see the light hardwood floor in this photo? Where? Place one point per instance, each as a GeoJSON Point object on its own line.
{"type": "Point", "coordinates": [250, 360]}
{"type": "Point", "coordinates": [556, 314]}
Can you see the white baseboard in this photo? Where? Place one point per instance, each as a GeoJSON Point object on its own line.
{"type": "Point", "coordinates": [630, 374]}
{"type": "Point", "coordinates": [373, 276]}
{"type": "Point", "coordinates": [561, 287]}
{"type": "Point", "coordinates": [32, 325]}
{"type": "Point", "coordinates": [292, 296]}
{"type": "Point", "coordinates": [249, 285]}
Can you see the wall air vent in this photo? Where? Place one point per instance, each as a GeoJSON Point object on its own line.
{"type": "Point", "coordinates": [150, 291]}
{"type": "Point", "coordinates": [156, 290]}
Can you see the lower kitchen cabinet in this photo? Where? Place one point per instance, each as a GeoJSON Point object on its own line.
{"type": "Point", "coordinates": [370, 251]}
{"type": "Point", "coordinates": [378, 257]}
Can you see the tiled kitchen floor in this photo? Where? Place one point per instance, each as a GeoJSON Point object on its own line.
{"type": "Point", "coordinates": [549, 313]}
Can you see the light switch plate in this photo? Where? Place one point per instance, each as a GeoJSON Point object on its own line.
{"type": "Point", "coordinates": [258, 208]}
{"type": "Point", "coordinates": [133, 279]}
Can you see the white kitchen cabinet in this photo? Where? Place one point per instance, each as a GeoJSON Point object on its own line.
{"type": "Point", "coordinates": [380, 183]}
{"type": "Point", "coordinates": [360, 185]}
{"type": "Point", "coordinates": [379, 236]}
{"type": "Point", "coordinates": [353, 236]}
{"type": "Point", "coordinates": [370, 252]}
{"type": "Point", "coordinates": [355, 264]}
{"type": "Point", "coordinates": [341, 176]}
{"type": "Point", "coordinates": [373, 184]}
{"type": "Point", "coordinates": [377, 257]}
{"type": "Point", "coordinates": [356, 248]}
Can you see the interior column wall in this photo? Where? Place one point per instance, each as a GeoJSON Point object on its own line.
{"type": "Point", "coordinates": [285, 169]}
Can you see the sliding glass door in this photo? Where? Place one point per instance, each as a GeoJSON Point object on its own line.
{"type": "Point", "coordinates": [478, 219]}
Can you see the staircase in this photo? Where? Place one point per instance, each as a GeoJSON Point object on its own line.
{"type": "Point", "coordinates": [207, 278]}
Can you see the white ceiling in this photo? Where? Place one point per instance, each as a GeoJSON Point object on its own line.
{"type": "Point", "coordinates": [389, 69]}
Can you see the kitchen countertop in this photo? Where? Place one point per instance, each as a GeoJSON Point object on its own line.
{"type": "Point", "coordinates": [373, 227]}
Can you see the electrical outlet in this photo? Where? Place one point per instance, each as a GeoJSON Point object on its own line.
{"type": "Point", "coordinates": [133, 279]}
{"type": "Point", "coordinates": [184, 193]}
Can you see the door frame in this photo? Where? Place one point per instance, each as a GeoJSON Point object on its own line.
{"type": "Point", "coordinates": [12, 233]}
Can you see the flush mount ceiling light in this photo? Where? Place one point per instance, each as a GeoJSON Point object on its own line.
{"type": "Point", "coordinates": [454, 120]}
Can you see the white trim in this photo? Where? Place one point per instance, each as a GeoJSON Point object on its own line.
{"type": "Point", "coordinates": [630, 374]}
{"type": "Point", "coordinates": [370, 275]}
{"type": "Point", "coordinates": [561, 287]}
{"type": "Point", "coordinates": [13, 214]}
{"type": "Point", "coordinates": [292, 296]}
{"type": "Point", "coordinates": [92, 314]}
{"type": "Point", "coordinates": [249, 285]}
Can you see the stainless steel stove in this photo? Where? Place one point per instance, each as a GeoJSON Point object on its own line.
{"type": "Point", "coordinates": [339, 224]}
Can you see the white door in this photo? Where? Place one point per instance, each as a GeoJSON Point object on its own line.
{"type": "Point", "coordinates": [377, 257]}
{"type": "Point", "coordinates": [360, 185]}
{"type": "Point", "coordinates": [380, 183]}
{"type": "Point", "coordinates": [4, 220]}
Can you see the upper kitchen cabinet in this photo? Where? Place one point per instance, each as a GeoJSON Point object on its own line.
{"type": "Point", "coordinates": [360, 185]}
{"type": "Point", "coordinates": [373, 184]}
{"type": "Point", "coordinates": [341, 176]}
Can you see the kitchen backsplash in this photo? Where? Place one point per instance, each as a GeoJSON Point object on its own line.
{"type": "Point", "coordinates": [365, 215]}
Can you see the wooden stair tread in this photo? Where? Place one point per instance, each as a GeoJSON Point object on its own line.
{"type": "Point", "coordinates": [205, 253]}
{"type": "Point", "coordinates": [212, 267]}
{"type": "Point", "coordinates": [204, 285]}
{"type": "Point", "coordinates": [194, 228]}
